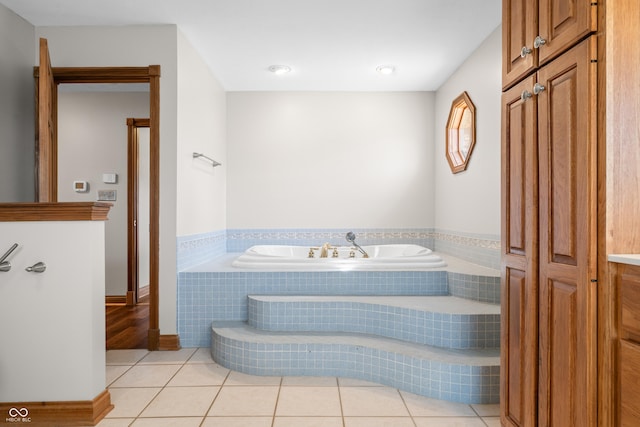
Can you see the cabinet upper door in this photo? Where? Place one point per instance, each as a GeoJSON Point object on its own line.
{"type": "Point", "coordinates": [536, 31]}
{"type": "Point", "coordinates": [519, 28]}
{"type": "Point", "coordinates": [562, 23]}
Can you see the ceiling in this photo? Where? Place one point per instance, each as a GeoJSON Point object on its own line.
{"type": "Point", "coordinates": [330, 45]}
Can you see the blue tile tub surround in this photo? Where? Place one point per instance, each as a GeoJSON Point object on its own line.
{"type": "Point", "coordinates": [474, 287]}
{"type": "Point", "coordinates": [470, 378]}
{"type": "Point", "coordinates": [239, 240]}
{"type": "Point", "coordinates": [197, 249]}
{"type": "Point", "coordinates": [444, 321]}
{"type": "Point", "coordinates": [204, 297]}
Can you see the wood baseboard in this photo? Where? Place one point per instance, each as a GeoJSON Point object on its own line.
{"type": "Point", "coordinates": [51, 414]}
{"type": "Point", "coordinates": [115, 299]}
{"type": "Point", "coordinates": [169, 342]}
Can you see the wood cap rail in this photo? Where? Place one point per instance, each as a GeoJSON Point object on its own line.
{"type": "Point", "coordinates": [73, 211]}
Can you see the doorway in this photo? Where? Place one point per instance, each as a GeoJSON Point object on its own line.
{"type": "Point", "coordinates": [47, 80]}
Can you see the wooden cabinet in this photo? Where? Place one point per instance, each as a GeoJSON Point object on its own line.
{"type": "Point", "coordinates": [549, 252]}
{"type": "Point", "coordinates": [549, 214]}
{"type": "Point", "coordinates": [536, 31]}
{"type": "Point", "coordinates": [628, 283]}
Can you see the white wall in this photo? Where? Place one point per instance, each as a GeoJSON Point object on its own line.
{"type": "Point", "coordinates": [469, 201]}
{"type": "Point", "coordinates": [137, 46]}
{"type": "Point", "coordinates": [92, 140]}
{"type": "Point", "coordinates": [330, 159]}
{"type": "Point", "coordinates": [201, 189]}
{"type": "Point", "coordinates": [52, 323]}
{"type": "Point", "coordinates": [16, 108]}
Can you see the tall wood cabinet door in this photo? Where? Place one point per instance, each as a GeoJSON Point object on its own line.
{"type": "Point", "coordinates": [519, 29]}
{"type": "Point", "coordinates": [562, 23]}
{"type": "Point", "coordinates": [519, 339]}
{"type": "Point", "coordinates": [567, 187]}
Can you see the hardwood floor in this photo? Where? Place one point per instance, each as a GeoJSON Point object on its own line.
{"type": "Point", "coordinates": [127, 326]}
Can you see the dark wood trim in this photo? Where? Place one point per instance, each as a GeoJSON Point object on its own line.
{"type": "Point", "coordinates": [169, 342]}
{"type": "Point", "coordinates": [67, 413]}
{"type": "Point", "coordinates": [133, 175]}
{"type": "Point", "coordinates": [102, 74]}
{"type": "Point", "coordinates": [154, 203]}
{"type": "Point", "coordinates": [115, 299]}
{"type": "Point", "coordinates": [72, 211]}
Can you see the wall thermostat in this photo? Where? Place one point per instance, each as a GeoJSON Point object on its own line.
{"type": "Point", "coordinates": [80, 186]}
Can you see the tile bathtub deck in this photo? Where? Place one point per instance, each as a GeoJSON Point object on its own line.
{"type": "Point", "coordinates": [186, 388]}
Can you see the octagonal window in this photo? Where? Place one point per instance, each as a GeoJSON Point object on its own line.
{"type": "Point", "coordinates": [461, 132]}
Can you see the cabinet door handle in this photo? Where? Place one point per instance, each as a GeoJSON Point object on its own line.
{"type": "Point", "coordinates": [538, 88]}
{"type": "Point", "coordinates": [525, 95]}
{"type": "Point", "coordinates": [539, 41]}
{"type": "Point", "coordinates": [524, 51]}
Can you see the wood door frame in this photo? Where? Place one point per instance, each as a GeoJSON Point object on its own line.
{"type": "Point", "coordinates": [133, 174]}
{"type": "Point", "coordinates": [48, 174]}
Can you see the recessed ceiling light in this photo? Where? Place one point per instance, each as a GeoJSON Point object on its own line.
{"type": "Point", "coordinates": [385, 69]}
{"type": "Point", "coordinates": [279, 69]}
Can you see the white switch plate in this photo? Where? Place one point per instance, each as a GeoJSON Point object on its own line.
{"type": "Point", "coordinates": [107, 195]}
{"type": "Point", "coordinates": [110, 178]}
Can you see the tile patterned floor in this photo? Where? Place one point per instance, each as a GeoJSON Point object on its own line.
{"type": "Point", "coordinates": [187, 389]}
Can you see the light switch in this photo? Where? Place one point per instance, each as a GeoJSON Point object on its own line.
{"type": "Point", "coordinates": [110, 178]}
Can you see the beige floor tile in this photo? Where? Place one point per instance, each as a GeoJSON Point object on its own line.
{"type": "Point", "coordinates": [146, 376]}
{"type": "Point", "coordinates": [201, 355]}
{"type": "Point", "coordinates": [310, 381]}
{"type": "Point", "coordinates": [130, 402]}
{"type": "Point", "coordinates": [352, 382]}
{"type": "Point", "coordinates": [421, 406]}
{"type": "Point", "coordinates": [168, 422]}
{"type": "Point", "coordinates": [115, 422]}
{"type": "Point", "coordinates": [168, 357]}
{"type": "Point", "coordinates": [448, 422]}
{"type": "Point", "coordinates": [198, 374]}
{"type": "Point", "coordinates": [125, 357]}
{"type": "Point", "coordinates": [245, 401]}
{"type": "Point", "coordinates": [378, 422]}
{"type": "Point", "coordinates": [372, 401]}
{"type": "Point", "coordinates": [237, 422]}
{"type": "Point", "coordinates": [113, 372]}
{"type": "Point", "coordinates": [181, 402]}
{"type": "Point", "coordinates": [492, 421]}
{"type": "Point", "coordinates": [238, 378]}
{"type": "Point", "coordinates": [308, 422]}
{"type": "Point", "coordinates": [487, 410]}
{"type": "Point", "coordinates": [308, 401]}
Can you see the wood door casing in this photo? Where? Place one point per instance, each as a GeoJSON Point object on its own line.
{"type": "Point", "coordinates": [519, 28]}
{"type": "Point", "coordinates": [46, 133]}
{"type": "Point", "coordinates": [568, 212]}
{"type": "Point", "coordinates": [519, 299]}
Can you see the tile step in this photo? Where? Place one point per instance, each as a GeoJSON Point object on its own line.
{"type": "Point", "coordinates": [442, 321]}
{"type": "Point", "coordinates": [469, 376]}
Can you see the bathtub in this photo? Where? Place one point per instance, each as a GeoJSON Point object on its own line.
{"type": "Point", "coordinates": [381, 257]}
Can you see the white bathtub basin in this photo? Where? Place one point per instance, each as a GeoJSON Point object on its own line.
{"type": "Point", "coordinates": [381, 257]}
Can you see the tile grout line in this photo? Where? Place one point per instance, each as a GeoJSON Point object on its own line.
{"type": "Point", "coordinates": [275, 408]}
{"type": "Point", "coordinates": [344, 423]}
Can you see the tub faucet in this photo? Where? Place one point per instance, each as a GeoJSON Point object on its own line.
{"type": "Point", "coordinates": [351, 238]}
{"type": "Point", "coordinates": [324, 251]}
